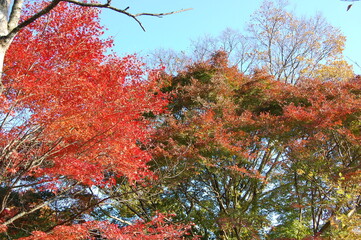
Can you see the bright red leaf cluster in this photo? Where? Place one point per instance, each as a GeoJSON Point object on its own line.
{"type": "Point", "coordinates": [157, 229]}
{"type": "Point", "coordinates": [88, 105]}
{"type": "Point", "coordinates": [73, 117]}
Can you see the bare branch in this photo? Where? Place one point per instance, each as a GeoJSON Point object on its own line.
{"type": "Point", "coordinates": [161, 14]}
{"type": "Point", "coordinates": [124, 11]}
{"type": "Point", "coordinates": [46, 203]}
{"type": "Point", "coordinates": [113, 217]}
{"type": "Point", "coordinates": [15, 14]}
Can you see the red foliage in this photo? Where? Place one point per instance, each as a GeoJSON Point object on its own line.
{"type": "Point", "coordinates": [88, 105]}
{"type": "Point", "coordinates": [157, 229]}
{"type": "Point", "coordinates": [77, 113]}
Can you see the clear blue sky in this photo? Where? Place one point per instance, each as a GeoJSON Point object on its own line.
{"type": "Point", "coordinates": [212, 17]}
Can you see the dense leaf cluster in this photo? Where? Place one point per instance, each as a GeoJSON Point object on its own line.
{"type": "Point", "coordinates": [248, 157]}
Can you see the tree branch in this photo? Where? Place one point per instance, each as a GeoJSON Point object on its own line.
{"type": "Point", "coordinates": [327, 224]}
{"type": "Point", "coordinates": [46, 203]}
{"type": "Point", "coordinates": [28, 21]}
{"type": "Point", "coordinates": [16, 10]}
{"type": "Point", "coordinates": [113, 217]}
{"type": "Point", "coordinates": [124, 11]}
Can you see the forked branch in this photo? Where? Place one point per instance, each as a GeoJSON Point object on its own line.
{"type": "Point", "coordinates": [13, 29]}
{"type": "Point", "coordinates": [125, 11]}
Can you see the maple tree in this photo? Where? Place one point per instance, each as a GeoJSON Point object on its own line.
{"type": "Point", "coordinates": [245, 157]}
{"type": "Point", "coordinates": [317, 160]}
{"type": "Point", "coordinates": [11, 13]}
{"type": "Point", "coordinates": [216, 151]}
{"type": "Point", "coordinates": [72, 121]}
{"type": "Point", "coordinates": [155, 229]}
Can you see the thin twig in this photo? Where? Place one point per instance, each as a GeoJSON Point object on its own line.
{"type": "Point", "coordinates": [124, 11]}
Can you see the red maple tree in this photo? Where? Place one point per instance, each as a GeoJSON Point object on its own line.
{"type": "Point", "coordinates": [72, 120]}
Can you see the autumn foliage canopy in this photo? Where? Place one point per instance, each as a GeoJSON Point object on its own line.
{"type": "Point", "coordinates": [97, 146]}
{"type": "Point", "coordinates": [237, 152]}
{"type": "Point", "coordinates": [72, 119]}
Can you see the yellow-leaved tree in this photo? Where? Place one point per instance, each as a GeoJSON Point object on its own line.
{"type": "Point", "coordinates": [293, 48]}
{"type": "Point", "coordinates": [287, 46]}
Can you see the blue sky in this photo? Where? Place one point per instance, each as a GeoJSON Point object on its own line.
{"type": "Point", "coordinates": [212, 17]}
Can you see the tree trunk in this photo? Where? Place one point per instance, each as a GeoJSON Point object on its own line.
{"type": "Point", "coordinates": [4, 12]}
{"type": "Point", "coordinates": [8, 21]}
{"type": "Point", "coordinates": [4, 16]}
{"type": "Point", "coordinates": [2, 57]}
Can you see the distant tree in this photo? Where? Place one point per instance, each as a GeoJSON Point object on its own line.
{"type": "Point", "coordinates": [288, 47]}
{"type": "Point", "coordinates": [292, 48]}
{"type": "Point", "coordinates": [172, 61]}
{"type": "Point", "coordinates": [238, 46]}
